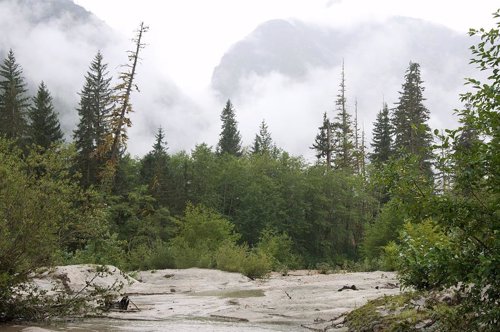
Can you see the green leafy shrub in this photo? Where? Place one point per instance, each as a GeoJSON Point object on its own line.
{"type": "Point", "coordinates": [200, 234]}
{"type": "Point", "coordinates": [389, 259]}
{"type": "Point", "coordinates": [231, 257]}
{"type": "Point", "coordinates": [279, 248]}
{"type": "Point", "coordinates": [256, 264]}
{"type": "Point", "coordinates": [425, 255]}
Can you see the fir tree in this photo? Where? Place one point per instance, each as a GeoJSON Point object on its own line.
{"type": "Point", "coordinates": [411, 132]}
{"type": "Point", "coordinates": [323, 143]}
{"type": "Point", "coordinates": [160, 146]}
{"type": "Point", "coordinates": [154, 169]}
{"type": "Point", "coordinates": [44, 128]}
{"type": "Point", "coordinates": [263, 143]}
{"type": "Point", "coordinates": [13, 100]}
{"type": "Point", "coordinates": [344, 136]}
{"type": "Point", "coordinates": [229, 138]}
{"type": "Point", "coordinates": [382, 140]}
{"type": "Point", "coordinates": [94, 108]}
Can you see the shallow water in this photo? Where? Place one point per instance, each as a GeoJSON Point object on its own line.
{"type": "Point", "coordinates": [232, 293]}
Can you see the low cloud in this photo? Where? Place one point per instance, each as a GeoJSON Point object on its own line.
{"type": "Point", "coordinates": [58, 49]}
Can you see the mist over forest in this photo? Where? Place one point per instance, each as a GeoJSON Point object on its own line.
{"type": "Point", "coordinates": [284, 67]}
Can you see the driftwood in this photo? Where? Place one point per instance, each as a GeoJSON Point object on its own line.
{"type": "Point", "coordinates": [353, 287]}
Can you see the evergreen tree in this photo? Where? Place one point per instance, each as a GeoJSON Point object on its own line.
{"type": "Point", "coordinates": [229, 138]}
{"type": "Point", "coordinates": [119, 117]}
{"type": "Point", "coordinates": [358, 151]}
{"type": "Point", "coordinates": [382, 140]}
{"type": "Point", "coordinates": [263, 143]}
{"type": "Point", "coordinates": [323, 143]}
{"type": "Point", "coordinates": [44, 129]}
{"type": "Point", "coordinates": [155, 170]}
{"type": "Point", "coordinates": [362, 154]}
{"type": "Point", "coordinates": [13, 100]}
{"type": "Point", "coordinates": [411, 132]}
{"type": "Point", "coordinates": [160, 146]}
{"type": "Point", "coordinates": [344, 136]}
{"type": "Point", "coordinates": [94, 108]}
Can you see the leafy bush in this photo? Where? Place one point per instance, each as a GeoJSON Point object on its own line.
{"type": "Point", "coordinates": [389, 258]}
{"type": "Point", "coordinates": [234, 258]}
{"type": "Point", "coordinates": [230, 257]}
{"type": "Point", "coordinates": [201, 233]}
{"type": "Point", "coordinates": [106, 249]}
{"type": "Point", "coordinates": [384, 229]}
{"type": "Point", "coordinates": [256, 264]}
{"type": "Point", "coordinates": [425, 255]}
{"type": "Point", "coordinates": [43, 212]}
{"type": "Point", "coordinates": [279, 247]}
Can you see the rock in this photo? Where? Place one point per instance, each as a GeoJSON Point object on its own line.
{"type": "Point", "coordinates": [424, 324]}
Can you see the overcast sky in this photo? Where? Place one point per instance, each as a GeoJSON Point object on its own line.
{"type": "Point", "coordinates": [188, 37]}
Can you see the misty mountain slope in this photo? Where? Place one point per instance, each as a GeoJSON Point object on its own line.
{"type": "Point", "coordinates": [291, 69]}
{"type": "Point", "coordinates": [37, 11]}
{"type": "Point", "coordinates": [292, 48]}
{"type": "Point", "coordinates": [56, 40]}
{"type": "Point", "coordinates": [53, 41]}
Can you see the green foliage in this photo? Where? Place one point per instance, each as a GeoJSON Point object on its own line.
{"type": "Point", "coordinates": [42, 212]}
{"type": "Point", "coordinates": [425, 256]}
{"type": "Point", "coordinates": [230, 138]}
{"type": "Point", "coordinates": [105, 249]}
{"type": "Point", "coordinates": [412, 134]}
{"type": "Point", "coordinates": [468, 256]}
{"type": "Point", "coordinates": [279, 248]}
{"type": "Point", "coordinates": [238, 258]}
{"type": "Point", "coordinates": [44, 127]}
{"type": "Point", "coordinates": [13, 100]}
{"type": "Point", "coordinates": [324, 142]}
{"type": "Point", "coordinates": [344, 136]}
{"type": "Point", "coordinates": [256, 265]}
{"type": "Point", "coordinates": [383, 230]}
{"type": "Point", "coordinates": [391, 313]}
{"type": "Point", "coordinates": [93, 126]}
{"type": "Point", "coordinates": [263, 143]}
{"type": "Point", "coordinates": [390, 257]}
{"type": "Point", "coordinates": [200, 234]}
{"type": "Point", "coordinates": [155, 170]}
{"type": "Point", "coordinates": [382, 139]}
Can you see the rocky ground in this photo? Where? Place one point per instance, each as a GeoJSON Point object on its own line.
{"type": "Point", "coordinates": [210, 300]}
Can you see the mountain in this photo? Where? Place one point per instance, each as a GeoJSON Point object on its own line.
{"type": "Point", "coordinates": [288, 73]}
{"type": "Point", "coordinates": [292, 48]}
{"type": "Point", "coordinates": [55, 41]}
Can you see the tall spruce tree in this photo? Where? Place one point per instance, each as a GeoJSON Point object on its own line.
{"type": "Point", "coordinates": [154, 169]}
{"type": "Point", "coordinates": [412, 134]}
{"type": "Point", "coordinates": [229, 138]}
{"type": "Point", "coordinates": [324, 142]}
{"type": "Point", "coordinates": [344, 135]}
{"type": "Point", "coordinates": [263, 143]}
{"type": "Point", "coordinates": [94, 108]}
{"type": "Point", "coordinates": [44, 126]}
{"type": "Point", "coordinates": [13, 100]}
{"type": "Point", "coordinates": [381, 140]}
